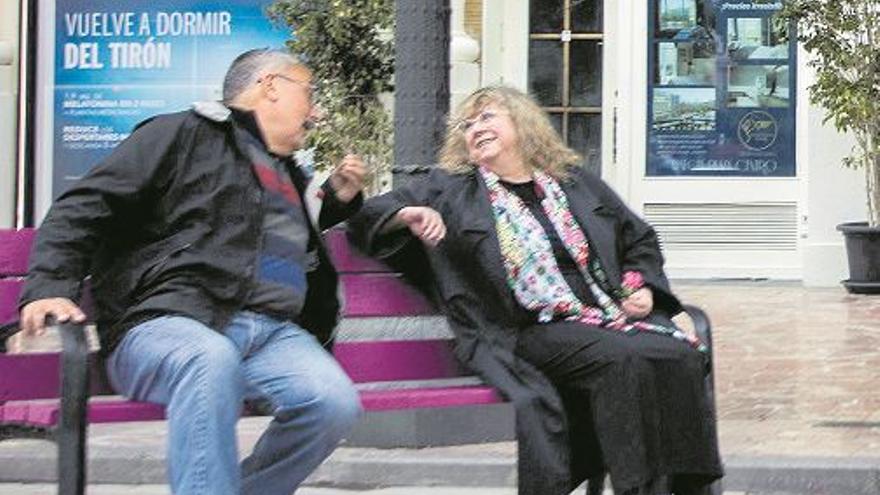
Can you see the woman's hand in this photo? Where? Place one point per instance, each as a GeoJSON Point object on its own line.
{"type": "Point", "coordinates": [425, 223]}
{"type": "Point", "coordinates": [639, 304]}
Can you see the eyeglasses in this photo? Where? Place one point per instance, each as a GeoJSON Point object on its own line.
{"type": "Point", "coordinates": [484, 117]}
{"type": "Point", "coordinates": [314, 89]}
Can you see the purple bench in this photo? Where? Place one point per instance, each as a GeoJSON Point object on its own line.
{"type": "Point", "coordinates": [45, 393]}
{"type": "Point", "coordinates": [58, 394]}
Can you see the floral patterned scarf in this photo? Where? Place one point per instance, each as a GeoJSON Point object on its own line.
{"type": "Point", "coordinates": [534, 276]}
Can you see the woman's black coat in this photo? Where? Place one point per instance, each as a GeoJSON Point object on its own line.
{"type": "Point", "coordinates": [469, 284]}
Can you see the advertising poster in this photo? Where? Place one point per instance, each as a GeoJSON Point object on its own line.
{"type": "Point", "coordinates": [117, 63]}
{"type": "Point", "coordinates": [721, 89]}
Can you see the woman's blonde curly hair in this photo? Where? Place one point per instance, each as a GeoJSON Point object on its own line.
{"type": "Point", "coordinates": [539, 143]}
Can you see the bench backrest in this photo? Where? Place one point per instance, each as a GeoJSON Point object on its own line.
{"type": "Point", "coordinates": [371, 290]}
{"type": "Point", "coordinates": [15, 245]}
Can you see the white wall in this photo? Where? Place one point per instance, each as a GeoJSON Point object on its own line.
{"type": "Point", "coordinates": [831, 194]}
{"type": "Point", "coordinates": [505, 43]}
{"type": "Point", "coordinates": [8, 114]}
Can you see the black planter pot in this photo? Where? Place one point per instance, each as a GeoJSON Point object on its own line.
{"type": "Point", "coordinates": [863, 255]}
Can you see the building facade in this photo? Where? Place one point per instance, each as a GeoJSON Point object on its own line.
{"type": "Point", "coordinates": [637, 87]}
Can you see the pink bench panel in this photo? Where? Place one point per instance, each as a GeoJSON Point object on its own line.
{"type": "Point", "coordinates": [389, 400]}
{"type": "Point", "coordinates": [29, 376]}
{"type": "Point", "coordinates": [10, 289]}
{"type": "Point", "coordinates": [14, 248]}
{"type": "Point", "coordinates": [46, 414]}
{"type": "Point", "coordinates": [36, 376]}
{"type": "Point", "coordinates": [379, 361]}
{"type": "Point", "coordinates": [382, 295]}
{"type": "Point", "coordinates": [347, 259]}
{"type": "Point", "coordinates": [16, 244]}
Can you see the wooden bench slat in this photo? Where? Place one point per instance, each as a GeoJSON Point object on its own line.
{"type": "Point", "coordinates": [346, 259]}
{"type": "Point", "coordinates": [368, 295]}
{"type": "Point", "coordinates": [29, 376]}
{"type": "Point", "coordinates": [389, 400]}
{"type": "Point", "coordinates": [398, 360]}
{"type": "Point", "coordinates": [10, 289]}
{"type": "Point", "coordinates": [371, 295]}
{"type": "Point", "coordinates": [45, 414]}
{"type": "Point", "coordinates": [15, 245]}
{"type": "Point", "coordinates": [36, 375]}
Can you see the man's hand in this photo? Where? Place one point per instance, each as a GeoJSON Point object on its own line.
{"type": "Point", "coordinates": [348, 178]}
{"type": "Point", "coordinates": [33, 315]}
{"type": "Point", "coordinates": [639, 304]}
{"type": "Point", "coordinates": [425, 223]}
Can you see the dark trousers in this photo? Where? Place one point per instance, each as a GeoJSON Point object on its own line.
{"type": "Point", "coordinates": [644, 395]}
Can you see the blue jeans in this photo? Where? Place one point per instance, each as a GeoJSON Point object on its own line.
{"type": "Point", "coordinates": [203, 377]}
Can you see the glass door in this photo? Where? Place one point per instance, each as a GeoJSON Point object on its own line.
{"type": "Point", "coordinates": [565, 70]}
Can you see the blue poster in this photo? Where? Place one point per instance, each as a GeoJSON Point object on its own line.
{"type": "Point", "coordinates": [721, 89]}
{"type": "Point", "coordinates": [120, 62]}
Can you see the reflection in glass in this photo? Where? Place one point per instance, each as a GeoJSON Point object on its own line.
{"type": "Point", "coordinates": [677, 14]}
{"type": "Point", "coordinates": [684, 64]}
{"type": "Point", "coordinates": [758, 86]}
{"type": "Point", "coordinates": [685, 20]}
{"type": "Point", "coordinates": [586, 16]}
{"type": "Point", "coordinates": [684, 109]}
{"type": "Point", "coordinates": [545, 16]}
{"type": "Point", "coordinates": [545, 72]}
{"type": "Point", "coordinates": [556, 120]}
{"type": "Point", "coordinates": [756, 38]}
{"type": "Point", "coordinates": [586, 73]}
{"type": "Point", "coordinates": [585, 137]}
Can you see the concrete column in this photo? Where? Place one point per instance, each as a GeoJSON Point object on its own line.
{"type": "Point", "coordinates": [9, 17]}
{"type": "Point", "coordinates": [464, 53]}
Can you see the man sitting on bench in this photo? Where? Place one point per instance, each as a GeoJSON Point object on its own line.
{"type": "Point", "coordinates": [211, 282]}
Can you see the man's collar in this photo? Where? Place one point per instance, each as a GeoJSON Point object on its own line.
{"type": "Point", "coordinates": [246, 119]}
{"type": "Point", "coordinates": [212, 110]}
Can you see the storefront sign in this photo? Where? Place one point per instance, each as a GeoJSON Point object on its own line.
{"type": "Point", "coordinates": [118, 62]}
{"type": "Point", "coordinates": [721, 89]}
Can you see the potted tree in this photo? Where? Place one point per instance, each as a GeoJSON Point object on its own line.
{"type": "Point", "coordinates": [843, 39]}
{"type": "Point", "coordinates": [349, 47]}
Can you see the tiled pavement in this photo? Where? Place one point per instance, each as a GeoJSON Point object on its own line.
{"type": "Point", "coordinates": [796, 372]}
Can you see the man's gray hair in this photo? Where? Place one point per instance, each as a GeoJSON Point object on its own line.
{"type": "Point", "coordinates": [248, 66]}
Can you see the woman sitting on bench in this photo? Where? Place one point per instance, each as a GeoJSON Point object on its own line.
{"type": "Point", "coordinates": [556, 293]}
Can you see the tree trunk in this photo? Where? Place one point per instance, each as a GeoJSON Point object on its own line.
{"type": "Point", "coordinates": [872, 176]}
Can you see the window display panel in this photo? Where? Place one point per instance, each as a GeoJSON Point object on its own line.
{"type": "Point", "coordinates": [720, 95]}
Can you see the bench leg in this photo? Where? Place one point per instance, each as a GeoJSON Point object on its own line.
{"type": "Point", "coordinates": [596, 485]}
{"type": "Point", "coordinates": [703, 327]}
{"type": "Point", "coordinates": [71, 433]}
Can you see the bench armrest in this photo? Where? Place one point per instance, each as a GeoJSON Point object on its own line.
{"type": "Point", "coordinates": [702, 325]}
{"type": "Point", "coordinates": [7, 330]}
{"type": "Point", "coordinates": [71, 432]}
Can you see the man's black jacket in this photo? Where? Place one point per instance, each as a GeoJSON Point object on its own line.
{"type": "Point", "coordinates": [170, 223]}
